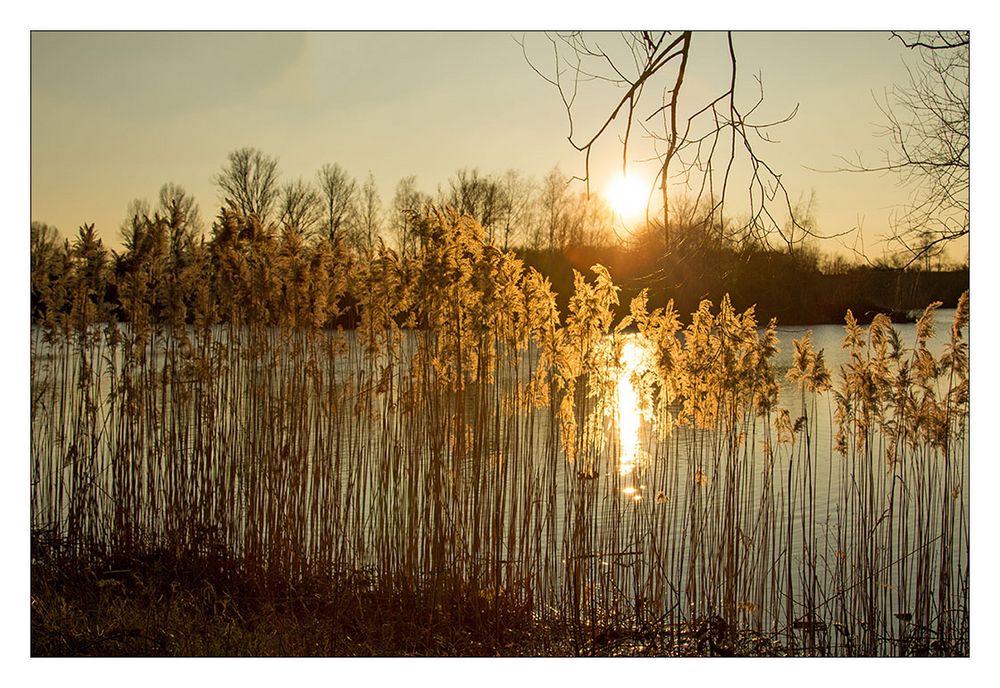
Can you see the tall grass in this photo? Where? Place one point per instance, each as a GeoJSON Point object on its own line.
{"type": "Point", "coordinates": [464, 445]}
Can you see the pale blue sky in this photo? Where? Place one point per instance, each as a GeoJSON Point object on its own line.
{"type": "Point", "coordinates": [116, 115]}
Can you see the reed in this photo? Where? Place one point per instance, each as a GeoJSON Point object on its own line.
{"type": "Point", "coordinates": [615, 479]}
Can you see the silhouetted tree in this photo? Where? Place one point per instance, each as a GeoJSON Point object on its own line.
{"type": "Point", "coordinates": [301, 208]}
{"type": "Point", "coordinates": [804, 214]}
{"type": "Point", "coordinates": [476, 195]}
{"type": "Point", "coordinates": [44, 241]}
{"type": "Point", "coordinates": [369, 219]}
{"type": "Point", "coordinates": [179, 213]}
{"type": "Point", "coordinates": [407, 206]}
{"type": "Point", "coordinates": [552, 202]}
{"type": "Point", "coordinates": [515, 214]}
{"type": "Point", "coordinates": [927, 125]}
{"type": "Point", "coordinates": [339, 195]}
{"type": "Point", "coordinates": [588, 220]}
{"type": "Point", "coordinates": [249, 184]}
{"type": "Point", "coordinates": [179, 210]}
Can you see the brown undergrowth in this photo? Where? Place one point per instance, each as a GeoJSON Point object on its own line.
{"type": "Point", "coordinates": [166, 604]}
{"type": "Point", "coordinates": [169, 604]}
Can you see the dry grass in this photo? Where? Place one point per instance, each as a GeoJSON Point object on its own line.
{"type": "Point", "coordinates": [455, 462]}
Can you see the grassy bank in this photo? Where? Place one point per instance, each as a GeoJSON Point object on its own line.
{"type": "Point", "coordinates": [184, 604]}
{"type": "Point", "coordinates": [165, 605]}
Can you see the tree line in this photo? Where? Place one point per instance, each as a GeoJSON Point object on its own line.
{"type": "Point", "coordinates": [513, 209]}
{"type": "Point", "coordinates": [305, 226]}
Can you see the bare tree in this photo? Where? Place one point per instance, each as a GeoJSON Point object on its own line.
{"type": "Point", "coordinates": [927, 127]}
{"type": "Point", "coordinates": [698, 143]}
{"type": "Point", "coordinates": [804, 212]}
{"type": "Point", "coordinates": [552, 202]}
{"type": "Point", "coordinates": [44, 239]}
{"type": "Point", "coordinates": [339, 194]}
{"type": "Point", "coordinates": [249, 184]}
{"type": "Point", "coordinates": [572, 219]}
{"type": "Point", "coordinates": [589, 221]}
{"type": "Point", "coordinates": [517, 196]}
{"type": "Point", "coordinates": [476, 195]}
{"type": "Point", "coordinates": [179, 210]}
{"type": "Point", "coordinates": [369, 220]}
{"type": "Point", "coordinates": [406, 213]}
{"type": "Point", "coordinates": [301, 208]}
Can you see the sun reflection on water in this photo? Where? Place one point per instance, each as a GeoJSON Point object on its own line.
{"type": "Point", "coordinates": [634, 361]}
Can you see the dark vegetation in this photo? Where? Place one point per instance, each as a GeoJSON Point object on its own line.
{"type": "Point", "coordinates": [198, 604]}
{"type": "Point", "coordinates": [792, 288]}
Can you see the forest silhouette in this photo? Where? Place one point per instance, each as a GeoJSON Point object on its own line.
{"type": "Point", "coordinates": [551, 228]}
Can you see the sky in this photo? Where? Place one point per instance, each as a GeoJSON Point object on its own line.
{"type": "Point", "coordinates": [115, 115]}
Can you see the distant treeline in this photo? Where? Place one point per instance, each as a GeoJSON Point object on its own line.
{"type": "Point", "coordinates": [244, 268]}
{"type": "Point", "coordinates": [282, 243]}
{"type": "Point", "coordinates": [795, 289]}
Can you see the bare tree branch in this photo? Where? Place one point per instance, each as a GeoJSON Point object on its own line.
{"type": "Point", "coordinates": [926, 123]}
{"type": "Point", "coordinates": [688, 147]}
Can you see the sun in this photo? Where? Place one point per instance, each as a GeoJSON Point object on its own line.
{"type": "Point", "coordinates": [628, 195]}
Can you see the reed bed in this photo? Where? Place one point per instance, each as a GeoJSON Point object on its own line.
{"type": "Point", "coordinates": [620, 481]}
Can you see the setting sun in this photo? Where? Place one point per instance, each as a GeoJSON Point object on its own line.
{"type": "Point", "coordinates": [627, 195]}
